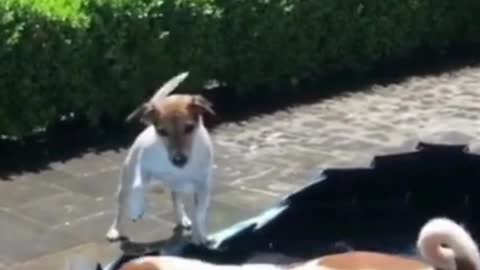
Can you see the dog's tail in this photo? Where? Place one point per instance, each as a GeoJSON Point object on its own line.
{"type": "Point", "coordinates": [80, 262]}
{"type": "Point", "coordinates": [161, 93]}
{"type": "Point", "coordinates": [446, 245]}
{"type": "Point", "coordinates": [169, 86]}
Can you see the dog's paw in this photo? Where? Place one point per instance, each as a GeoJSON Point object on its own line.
{"type": "Point", "coordinates": [137, 213]}
{"type": "Point", "coordinates": [185, 223]}
{"type": "Point", "coordinates": [113, 235]}
{"type": "Point", "coordinates": [137, 210]}
{"type": "Point", "coordinates": [137, 217]}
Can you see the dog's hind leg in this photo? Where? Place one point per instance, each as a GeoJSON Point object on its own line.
{"type": "Point", "coordinates": [116, 229]}
{"type": "Point", "coordinates": [181, 216]}
{"type": "Point", "coordinates": [130, 199]}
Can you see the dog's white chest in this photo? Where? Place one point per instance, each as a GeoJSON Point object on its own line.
{"type": "Point", "coordinates": [175, 181]}
{"type": "Point", "coordinates": [162, 172]}
{"type": "Point", "coordinates": [157, 169]}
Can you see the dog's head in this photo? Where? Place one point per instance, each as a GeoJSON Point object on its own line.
{"type": "Point", "coordinates": [175, 118]}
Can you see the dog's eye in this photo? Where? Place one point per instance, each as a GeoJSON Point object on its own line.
{"type": "Point", "coordinates": [189, 128]}
{"type": "Point", "coordinates": [162, 132]}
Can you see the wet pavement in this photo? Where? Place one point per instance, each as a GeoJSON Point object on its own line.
{"type": "Point", "coordinates": [47, 216]}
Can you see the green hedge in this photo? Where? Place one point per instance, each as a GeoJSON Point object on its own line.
{"type": "Point", "coordinates": [100, 58]}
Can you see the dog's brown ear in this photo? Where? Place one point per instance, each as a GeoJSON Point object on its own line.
{"type": "Point", "coordinates": [144, 113]}
{"type": "Point", "coordinates": [200, 105]}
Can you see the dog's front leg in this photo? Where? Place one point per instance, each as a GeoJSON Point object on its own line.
{"type": "Point", "coordinates": [199, 228]}
{"type": "Point", "coordinates": [137, 198]}
{"type": "Point", "coordinates": [181, 216]}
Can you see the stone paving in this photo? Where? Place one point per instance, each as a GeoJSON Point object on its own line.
{"type": "Point", "coordinates": [49, 215]}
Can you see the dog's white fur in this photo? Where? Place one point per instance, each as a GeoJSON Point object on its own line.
{"type": "Point", "coordinates": [460, 244]}
{"type": "Point", "coordinates": [147, 164]}
{"type": "Point", "coordinates": [432, 235]}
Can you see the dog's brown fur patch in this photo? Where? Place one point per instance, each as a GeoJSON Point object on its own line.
{"type": "Point", "coordinates": [140, 266]}
{"type": "Point", "coordinates": [371, 261]}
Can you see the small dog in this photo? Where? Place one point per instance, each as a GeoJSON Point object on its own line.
{"type": "Point", "coordinates": [460, 253]}
{"type": "Point", "coordinates": [174, 150]}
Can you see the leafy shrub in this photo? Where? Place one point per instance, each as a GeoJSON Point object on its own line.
{"type": "Point", "coordinates": [102, 57]}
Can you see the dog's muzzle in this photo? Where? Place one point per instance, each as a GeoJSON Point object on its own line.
{"type": "Point", "coordinates": [178, 159]}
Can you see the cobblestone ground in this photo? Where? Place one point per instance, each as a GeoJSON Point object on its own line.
{"type": "Point", "coordinates": [52, 214]}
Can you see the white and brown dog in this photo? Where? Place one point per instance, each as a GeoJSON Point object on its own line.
{"type": "Point", "coordinates": [442, 243]}
{"type": "Point", "coordinates": [175, 151]}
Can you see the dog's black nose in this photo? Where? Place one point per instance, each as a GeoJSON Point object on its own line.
{"type": "Point", "coordinates": [179, 160]}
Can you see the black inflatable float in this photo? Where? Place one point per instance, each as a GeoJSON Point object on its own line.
{"type": "Point", "coordinates": [379, 208]}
